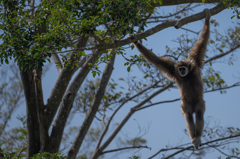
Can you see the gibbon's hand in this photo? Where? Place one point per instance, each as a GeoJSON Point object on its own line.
{"type": "Point", "coordinates": [208, 14]}
{"type": "Point", "coordinates": [132, 37]}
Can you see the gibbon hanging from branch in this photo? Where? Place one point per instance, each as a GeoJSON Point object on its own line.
{"type": "Point", "coordinates": [187, 75]}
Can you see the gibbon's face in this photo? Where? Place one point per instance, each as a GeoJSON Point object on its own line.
{"type": "Point", "coordinates": [182, 70]}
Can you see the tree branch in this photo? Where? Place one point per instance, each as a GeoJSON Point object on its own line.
{"type": "Point", "coordinates": [176, 2]}
{"type": "Point", "coordinates": [125, 148]}
{"type": "Point", "coordinates": [81, 63]}
{"type": "Point", "coordinates": [37, 77]}
{"type": "Point", "coordinates": [59, 88]}
{"type": "Point", "coordinates": [162, 102]}
{"type": "Point", "coordinates": [215, 10]}
{"type": "Point", "coordinates": [190, 147]}
{"type": "Point", "coordinates": [221, 55]}
{"type": "Point", "coordinates": [184, 9]}
{"type": "Point", "coordinates": [66, 105]}
{"type": "Point", "coordinates": [19, 153]}
{"type": "Point", "coordinates": [110, 119]}
{"type": "Point", "coordinates": [57, 62]}
{"type": "Point", "coordinates": [93, 110]}
{"type": "Point", "coordinates": [177, 99]}
{"type": "Point", "coordinates": [131, 112]}
{"type": "Point", "coordinates": [234, 85]}
{"type": "Point", "coordinates": [169, 23]}
{"type": "Point", "coordinates": [82, 41]}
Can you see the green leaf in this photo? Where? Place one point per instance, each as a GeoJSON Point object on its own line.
{"type": "Point", "coordinates": [212, 42]}
{"type": "Point", "coordinates": [35, 55]}
{"type": "Point", "coordinates": [94, 73]}
{"type": "Point", "coordinates": [128, 68]}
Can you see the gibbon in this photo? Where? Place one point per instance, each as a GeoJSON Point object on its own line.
{"type": "Point", "coordinates": [187, 75]}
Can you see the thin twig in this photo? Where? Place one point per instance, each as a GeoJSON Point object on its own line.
{"type": "Point", "coordinates": [110, 119]}
{"type": "Point", "coordinates": [124, 148]}
{"type": "Point", "coordinates": [184, 9]}
{"type": "Point", "coordinates": [167, 101]}
{"type": "Point", "coordinates": [19, 153]}
{"type": "Point", "coordinates": [103, 117]}
{"type": "Point", "coordinates": [219, 150]}
{"type": "Point", "coordinates": [221, 55]}
{"type": "Point", "coordinates": [177, 99]}
{"type": "Point", "coordinates": [191, 147]}
{"type": "Point", "coordinates": [131, 112]}
{"type": "Point", "coordinates": [190, 30]}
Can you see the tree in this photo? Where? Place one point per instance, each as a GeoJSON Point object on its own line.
{"type": "Point", "coordinates": [87, 34]}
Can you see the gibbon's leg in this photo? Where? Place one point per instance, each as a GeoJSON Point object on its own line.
{"type": "Point", "coordinates": [190, 124]}
{"type": "Point", "coordinates": [188, 114]}
{"type": "Point", "coordinates": [199, 112]}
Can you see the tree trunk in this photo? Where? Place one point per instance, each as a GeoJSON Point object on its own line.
{"type": "Point", "coordinates": [33, 137]}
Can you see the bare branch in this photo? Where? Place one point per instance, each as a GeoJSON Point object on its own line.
{"type": "Point", "coordinates": [37, 78]}
{"type": "Point", "coordinates": [221, 55]}
{"type": "Point", "coordinates": [123, 122]}
{"type": "Point", "coordinates": [189, 30]}
{"type": "Point", "coordinates": [190, 147]}
{"type": "Point", "coordinates": [60, 87]}
{"type": "Point", "coordinates": [177, 99]}
{"type": "Point", "coordinates": [113, 114]}
{"type": "Point", "coordinates": [176, 2]}
{"type": "Point", "coordinates": [155, 21]}
{"type": "Point", "coordinates": [219, 150]}
{"type": "Point", "coordinates": [67, 102]}
{"type": "Point", "coordinates": [234, 85]}
{"type": "Point", "coordinates": [93, 109]}
{"type": "Point", "coordinates": [167, 101]}
{"type": "Point", "coordinates": [57, 62]}
{"type": "Point", "coordinates": [187, 7]}
{"type": "Point", "coordinates": [19, 153]}
{"type": "Point", "coordinates": [103, 117]}
{"type": "Point", "coordinates": [125, 148]}
{"type": "Point", "coordinates": [215, 10]}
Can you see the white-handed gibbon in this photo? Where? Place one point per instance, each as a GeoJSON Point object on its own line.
{"type": "Point", "coordinates": [187, 75]}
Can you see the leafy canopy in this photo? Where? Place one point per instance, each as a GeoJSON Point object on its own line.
{"type": "Point", "coordinates": [29, 34]}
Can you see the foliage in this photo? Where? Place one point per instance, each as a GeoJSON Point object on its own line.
{"type": "Point", "coordinates": [40, 155]}
{"type": "Point", "coordinates": [29, 37]}
{"type": "Point", "coordinates": [234, 5]}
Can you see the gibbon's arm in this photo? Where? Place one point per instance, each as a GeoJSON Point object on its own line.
{"type": "Point", "coordinates": [164, 64]}
{"type": "Point", "coordinates": [198, 52]}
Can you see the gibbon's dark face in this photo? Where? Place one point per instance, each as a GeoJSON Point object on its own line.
{"type": "Point", "coordinates": [182, 70]}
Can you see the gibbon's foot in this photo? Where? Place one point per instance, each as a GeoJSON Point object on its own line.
{"type": "Point", "coordinates": [196, 141]}
{"type": "Point", "coordinates": [208, 13]}
{"type": "Point", "coordinates": [132, 37]}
